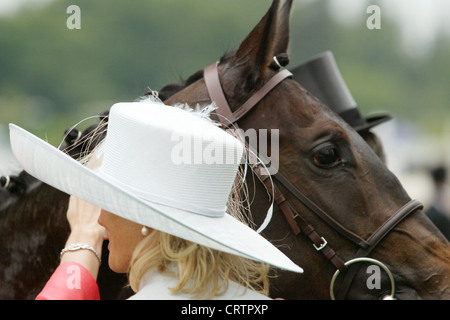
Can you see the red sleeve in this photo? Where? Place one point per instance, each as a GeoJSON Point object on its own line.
{"type": "Point", "coordinates": [70, 281]}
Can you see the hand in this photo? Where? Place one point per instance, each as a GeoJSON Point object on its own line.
{"type": "Point", "coordinates": [83, 221]}
{"type": "Point", "coordinates": [83, 218]}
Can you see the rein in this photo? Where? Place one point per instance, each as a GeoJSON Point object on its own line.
{"type": "Point", "coordinates": [297, 222]}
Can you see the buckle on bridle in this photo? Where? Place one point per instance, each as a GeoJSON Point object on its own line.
{"type": "Point", "coordinates": [322, 245]}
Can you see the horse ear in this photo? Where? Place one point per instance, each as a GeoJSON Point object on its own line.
{"type": "Point", "coordinates": [269, 38]}
{"type": "Point", "coordinates": [282, 36]}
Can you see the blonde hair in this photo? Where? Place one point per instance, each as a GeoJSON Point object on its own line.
{"type": "Point", "coordinates": [202, 272]}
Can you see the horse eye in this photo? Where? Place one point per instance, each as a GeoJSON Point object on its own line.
{"type": "Point", "coordinates": [327, 157]}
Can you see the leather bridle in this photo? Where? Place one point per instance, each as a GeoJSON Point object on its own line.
{"type": "Point", "coordinates": [297, 222]}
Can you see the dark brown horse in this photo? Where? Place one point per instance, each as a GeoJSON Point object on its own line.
{"type": "Point", "coordinates": [323, 158]}
{"type": "Point", "coordinates": [330, 165]}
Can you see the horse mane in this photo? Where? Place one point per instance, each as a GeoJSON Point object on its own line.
{"type": "Point", "coordinates": [170, 89]}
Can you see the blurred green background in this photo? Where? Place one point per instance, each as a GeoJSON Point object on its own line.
{"type": "Point", "coordinates": [52, 77]}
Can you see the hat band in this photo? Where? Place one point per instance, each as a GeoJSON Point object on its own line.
{"type": "Point", "coordinates": [158, 199]}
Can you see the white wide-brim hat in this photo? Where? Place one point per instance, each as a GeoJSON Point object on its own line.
{"type": "Point", "coordinates": [162, 167]}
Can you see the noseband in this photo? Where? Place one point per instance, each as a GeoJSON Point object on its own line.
{"type": "Point", "coordinates": [297, 222]}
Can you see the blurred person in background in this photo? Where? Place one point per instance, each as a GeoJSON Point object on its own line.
{"type": "Point", "coordinates": [439, 211]}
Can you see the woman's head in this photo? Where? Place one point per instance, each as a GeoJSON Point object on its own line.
{"type": "Point", "coordinates": [134, 253]}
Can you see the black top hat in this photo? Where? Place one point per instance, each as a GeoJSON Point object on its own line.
{"type": "Point", "coordinates": [321, 76]}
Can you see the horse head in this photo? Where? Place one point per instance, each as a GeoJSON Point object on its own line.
{"type": "Point", "coordinates": [329, 164]}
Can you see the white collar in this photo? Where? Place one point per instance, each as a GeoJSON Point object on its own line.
{"type": "Point", "coordinates": [155, 286]}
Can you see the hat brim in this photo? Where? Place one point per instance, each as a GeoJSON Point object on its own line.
{"type": "Point", "coordinates": [373, 121]}
{"type": "Point", "coordinates": [227, 234]}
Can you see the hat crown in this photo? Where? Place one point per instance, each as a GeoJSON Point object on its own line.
{"type": "Point", "coordinates": [170, 156]}
{"type": "Point", "coordinates": [321, 76]}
